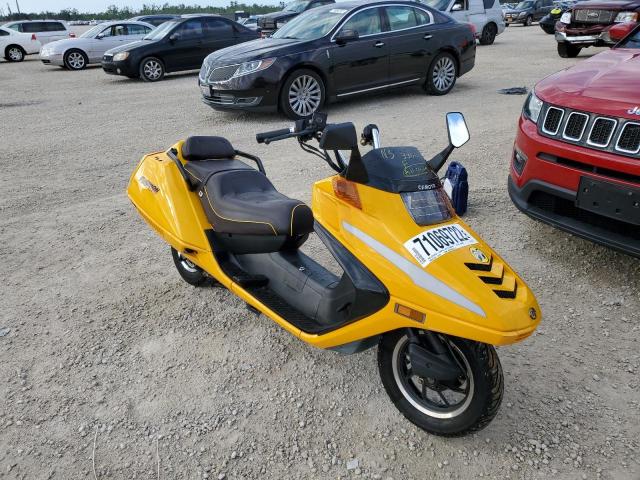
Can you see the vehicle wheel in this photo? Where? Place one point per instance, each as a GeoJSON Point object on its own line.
{"type": "Point", "coordinates": [452, 409]}
{"type": "Point", "coordinates": [190, 273]}
{"type": "Point", "coordinates": [14, 53]}
{"type": "Point", "coordinates": [151, 69]}
{"type": "Point", "coordinates": [75, 60]}
{"type": "Point", "coordinates": [489, 33]}
{"type": "Point", "coordinates": [442, 74]}
{"type": "Point", "coordinates": [566, 50]}
{"type": "Point", "coordinates": [302, 94]}
{"type": "Point", "coordinates": [528, 21]}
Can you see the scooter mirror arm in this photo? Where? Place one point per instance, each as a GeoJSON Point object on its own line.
{"type": "Point", "coordinates": [254, 158]}
{"type": "Point", "coordinates": [439, 160]}
{"type": "Point", "coordinates": [172, 153]}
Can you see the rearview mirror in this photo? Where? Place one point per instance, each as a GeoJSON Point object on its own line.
{"type": "Point", "coordinates": [457, 128]}
{"type": "Point", "coordinates": [347, 36]}
{"type": "Point", "coordinates": [339, 136]}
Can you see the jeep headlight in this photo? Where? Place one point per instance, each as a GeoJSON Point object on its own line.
{"type": "Point", "coordinates": [253, 66]}
{"type": "Point", "coordinates": [118, 57]}
{"type": "Point", "coordinates": [532, 107]}
{"type": "Point", "coordinates": [626, 17]}
{"type": "Point", "coordinates": [566, 18]}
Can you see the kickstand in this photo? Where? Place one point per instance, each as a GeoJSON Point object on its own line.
{"type": "Point", "coordinates": [253, 309]}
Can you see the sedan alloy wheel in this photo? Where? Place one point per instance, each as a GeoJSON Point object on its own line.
{"type": "Point", "coordinates": [75, 60]}
{"type": "Point", "coordinates": [15, 54]}
{"type": "Point", "coordinates": [305, 95]}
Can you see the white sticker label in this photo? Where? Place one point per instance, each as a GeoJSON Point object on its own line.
{"type": "Point", "coordinates": [434, 243]}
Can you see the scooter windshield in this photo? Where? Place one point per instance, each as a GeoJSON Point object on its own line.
{"type": "Point", "coordinates": [428, 206]}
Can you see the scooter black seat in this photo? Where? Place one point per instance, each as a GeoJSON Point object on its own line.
{"type": "Point", "coordinates": [238, 199]}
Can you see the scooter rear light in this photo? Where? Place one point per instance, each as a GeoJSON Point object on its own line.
{"type": "Point", "coordinates": [347, 191]}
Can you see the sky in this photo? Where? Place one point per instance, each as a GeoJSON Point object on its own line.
{"type": "Point", "coordinates": [101, 5]}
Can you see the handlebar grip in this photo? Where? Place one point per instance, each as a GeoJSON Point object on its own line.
{"type": "Point", "coordinates": [261, 137]}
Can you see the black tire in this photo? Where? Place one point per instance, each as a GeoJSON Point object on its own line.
{"type": "Point", "coordinates": [489, 33]}
{"type": "Point", "coordinates": [297, 83]}
{"type": "Point", "coordinates": [14, 53]}
{"type": "Point", "coordinates": [446, 62]}
{"type": "Point", "coordinates": [477, 408]}
{"type": "Point", "coordinates": [189, 272]}
{"type": "Point", "coordinates": [566, 50]}
{"type": "Point", "coordinates": [151, 69]}
{"type": "Point", "coordinates": [529, 21]}
{"type": "Point", "coordinates": [75, 59]}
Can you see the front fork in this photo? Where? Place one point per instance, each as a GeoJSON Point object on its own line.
{"type": "Point", "coordinates": [431, 358]}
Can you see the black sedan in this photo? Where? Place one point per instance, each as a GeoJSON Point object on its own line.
{"type": "Point", "coordinates": [176, 45]}
{"type": "Point", "coordinates": [337, 51]}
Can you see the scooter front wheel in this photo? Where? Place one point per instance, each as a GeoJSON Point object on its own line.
{"type": "Point", "coordinates": [190, 272]}
{"type": "Point", "coordinates": [447, 408]}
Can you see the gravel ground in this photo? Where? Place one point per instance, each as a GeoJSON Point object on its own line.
{"type": "Point", "coordinates": [102, 344]}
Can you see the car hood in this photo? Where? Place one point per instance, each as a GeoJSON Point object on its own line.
{"type": "Point", "coordinates": [511, 11]}
{"type": "Point", "coordinates": [61, 45]}
{"type": "Point", "coordinates": [279, 15]}
{"type": "Point", "coordinates": [607, 5]}
{"type": "Point", "coordinates": [252, 50]}
{"type": "Point", "coordinates": [132, 46]}
{"type": "Point", "coordinates": [607, 83]}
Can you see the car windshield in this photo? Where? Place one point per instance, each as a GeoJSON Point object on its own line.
{"type": "Point", "coordinates": [92, 32]}
{"type": "Point", "coordinates": [437, 4]}
{"type": "Point", "coordinates": [296, 7]}
{"type": "Point", "coordinates": [524, 5]}
{"type": "Point", "coordinates": [633, 41]}
{"type": "Point", "coordinates": [312, 24]}
{"type": "Point", "coordinates": [161, 31]}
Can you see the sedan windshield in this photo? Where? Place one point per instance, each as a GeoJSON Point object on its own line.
{"type": "Point", "coordinates": [437, 4]}
{"type": "Point", "coordinates": [633, 41]}
{"type": "Point", "coordinates": [296, 7]}
{"type": "Point", "coordinates": [312, 24]}
{"type": "Point", "coordinates": [161, 31]}
{"type": "Point", "coordinates": [524, 5]}
{"type": "Point", "coordinates": [92, 32]}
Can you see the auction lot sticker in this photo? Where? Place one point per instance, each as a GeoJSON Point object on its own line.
{"type": "Point", "coordinates": [434, 243]}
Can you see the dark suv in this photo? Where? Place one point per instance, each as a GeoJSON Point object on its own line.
{"type": "Point", "coordinates": [588, 23]}
{"type": "Point", "coordinates": [270, 22]}
{"type": "Point", "coordinates": [527, 12]}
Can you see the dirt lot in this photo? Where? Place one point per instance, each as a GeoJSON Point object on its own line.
{"type": "Point", "coordinates": [101, 341]}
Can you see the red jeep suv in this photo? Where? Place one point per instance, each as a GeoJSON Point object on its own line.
{"type": "Point", "coordinates": [576, 158]}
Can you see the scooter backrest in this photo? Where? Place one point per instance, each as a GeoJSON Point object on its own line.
{"type": "Point", "coordinates": [207, 148]}
{"type": "Point", "coordinates": [339, 136]}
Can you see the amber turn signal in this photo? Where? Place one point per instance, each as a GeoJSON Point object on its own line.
{"type": "Point", "coordinates": [347, 191]}
{"type": "Point", "coordinates": [408, 312]}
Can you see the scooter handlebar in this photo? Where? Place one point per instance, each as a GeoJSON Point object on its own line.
{"type": "Point", "coordinates": [267, 137]}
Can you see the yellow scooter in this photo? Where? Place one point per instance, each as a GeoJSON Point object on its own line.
{"type": "Point", "coordinates": [416, 280]}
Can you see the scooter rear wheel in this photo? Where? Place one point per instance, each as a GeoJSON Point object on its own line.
{"type": "Point", "coordinates": [446, 409]}
{"type": "Point", "coordinates": [190, 273]}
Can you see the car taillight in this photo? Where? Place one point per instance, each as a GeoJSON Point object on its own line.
{"type": "Point", "coordinates": [33, 36]}
{"type": "Point", "coordinates": [72, 35]}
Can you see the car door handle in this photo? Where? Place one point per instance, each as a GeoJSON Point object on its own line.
{"type": "Point", "coordinates": [428, 36]}
{"type": "Point", "coordinates": [379, 44]}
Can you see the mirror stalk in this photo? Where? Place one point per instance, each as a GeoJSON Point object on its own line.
{"type": "Point", "coordinates": [439, 160]}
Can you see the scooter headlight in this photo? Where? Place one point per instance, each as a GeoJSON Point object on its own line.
{"type": "Point", "coordinates": [428, 206]}
{"type": "Point", "coordinates": [532, 107]}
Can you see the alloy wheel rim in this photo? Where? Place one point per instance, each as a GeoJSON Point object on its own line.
{"type": "Point", "coordinates": [15, 54]}
{"type": "Point", "coordinates": [76, 60]}
{"type": "Point", "coordinates": [152, 70]}
{"type": "Point", "coordinates": [188, 265]}
{"type": "Point", "coordinates": [427, 395]}
{"type": "Point", "coordinates": [305, 95]}
{"type": "Point", "coordinates": [444, 74]}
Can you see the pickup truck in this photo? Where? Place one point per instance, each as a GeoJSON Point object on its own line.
{"type": "Point", "coordinates": [269, 23]}
{"type": "Point", "coordinates": [588, 23]}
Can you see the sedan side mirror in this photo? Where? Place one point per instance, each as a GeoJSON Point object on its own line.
{"type": "Point", "coordinates": [346, 36]}
{"type": "Point", "coordinates": [456, 7]}
{"type": "Point", "coordinates": [100, 36]}
{"type": "Point", "coordinates": [174, 37]}
{"type": "Point", "coordinates": [457, 128]}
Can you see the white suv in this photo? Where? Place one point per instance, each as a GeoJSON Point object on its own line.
{"type": "Point", "coordinates": [15, 45]}
{"type": "Point", "coordinates": [45, 30]}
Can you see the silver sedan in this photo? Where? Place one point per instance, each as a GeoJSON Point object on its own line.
{"type": "Point", "coordinates": [77, 53]}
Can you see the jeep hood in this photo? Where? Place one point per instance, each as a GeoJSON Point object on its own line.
{"type": "Point", "coordinates": [608, 5]}
{"type": "Point", "coordinates": [607, 83]}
